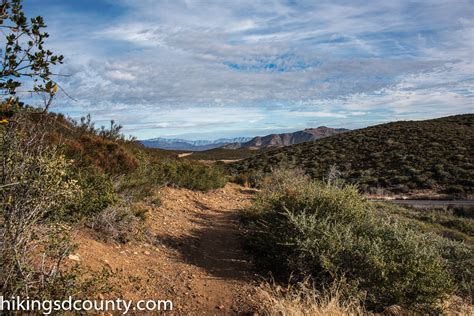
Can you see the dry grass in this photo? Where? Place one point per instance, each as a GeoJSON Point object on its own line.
{"type": "Point", "coordinates": [456, 305]}
{"type": "Point", "coordinates": [303, 299]}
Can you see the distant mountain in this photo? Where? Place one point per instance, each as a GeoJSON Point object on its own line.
{"type": "Point", "coordinates": [191, 145]}
{"type": "Point", "coordinates": [287, 139]}
{"type": "Point", "coordinates": [259, 142]}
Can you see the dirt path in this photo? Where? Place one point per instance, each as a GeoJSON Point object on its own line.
{"type": "Point", "coordinates": [196, 258]}
{"type": "Point", "coordinates": [184, 155]}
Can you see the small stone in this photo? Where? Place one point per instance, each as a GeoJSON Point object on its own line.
{"type": "Point", "coordinates": [220, 307]}
{"type": "Point", "coordinates": [146, 252]}
{"type": "Point", "coordinates": [107, 264]}
{"type": "Point", "coordinates": [135, 253]}
{"type": "Point", "coordinates": [74, 257]}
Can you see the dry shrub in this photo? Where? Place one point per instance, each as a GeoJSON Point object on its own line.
{"type": "Point", "coordinates": [120, 223]}
{"type": "Point", "coordinates": [109, 156]}
{"type": "Point", "coordinates": [303, 299]}
{"type": "Point", "coordinates": [456, 305]}
{"type": "Point", "coordinates": [35, 180]}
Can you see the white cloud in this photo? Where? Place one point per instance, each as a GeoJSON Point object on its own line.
{"type": "Point", "coordinates": [120, 75]}
{"type": "Point", "coordinates": [308, 59]}
{"type": "Point", "coordinates": [315, 114]}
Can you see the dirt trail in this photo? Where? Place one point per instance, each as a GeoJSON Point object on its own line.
{"type": "Point", "coordinates": [196, 257]}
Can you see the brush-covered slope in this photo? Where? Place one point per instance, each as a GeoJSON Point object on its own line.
{"type": "Point", "coordinates": [399, 157]}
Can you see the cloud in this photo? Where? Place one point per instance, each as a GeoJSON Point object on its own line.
{"type": "Point", "coordinates": [291, 63]}
{"type": "Point", "coordinates": [120, 75]}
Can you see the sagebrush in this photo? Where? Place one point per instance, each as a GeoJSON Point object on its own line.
{"type": "Point", "coordinates": [330, 232]}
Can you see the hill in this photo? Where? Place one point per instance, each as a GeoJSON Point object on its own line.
{"type": "Point", "coordinates": [287, 139]}
{"type": "Point", "coordinates": [433, 155]}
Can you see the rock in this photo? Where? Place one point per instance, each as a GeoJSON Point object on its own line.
{"type": "Point", "coordinates": [74, 257]}
{"type": "Point", "coordinates": [107, 264]}
{"type": "Point", "coordinates": [146, 252]}
{"type": "Point", "coordinates": [135, 253]}
{"type": "Point", "coordinates": [220, 307]}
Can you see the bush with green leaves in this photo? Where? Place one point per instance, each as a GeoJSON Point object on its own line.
{"type": "Point", "coordinates": [251, 179]}
{"type": "Point", "coordinates": [446, 223]}
{"type": "Point", "coordinates": [98, 193]}
{"type": "Point", "coordinates": [179, 173]}
{"type": "Point", "coordinates": [460, 262]}
{"type": "Point", "coordinates": [35, 180]}
{"type": "Point", "coordinates": [190, 175]}
{"type": "Point", "coordinates": [330, 232]}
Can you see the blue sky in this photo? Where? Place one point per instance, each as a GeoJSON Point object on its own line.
{"type": "Point", "coordinates": [212, 69]}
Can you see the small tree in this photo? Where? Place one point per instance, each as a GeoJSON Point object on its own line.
{"type": "Point", "coordinates": [24, 58]}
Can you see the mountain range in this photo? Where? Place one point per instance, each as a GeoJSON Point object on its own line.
{"type": "Point", "coordinates": [259, 142]}
{"type": "Point", "coordinates": [191, 145]}
{"type": "Point", "coordinates": [287, 139]}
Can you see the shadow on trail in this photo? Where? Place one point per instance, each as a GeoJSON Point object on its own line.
{"type": "Point", "coordinates": [216, 246]}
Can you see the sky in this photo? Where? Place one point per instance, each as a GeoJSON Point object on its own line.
{"type": "Point", "coordinates": [212, 69]}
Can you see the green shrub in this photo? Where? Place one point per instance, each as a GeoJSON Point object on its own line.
{"type": "Point", "coordinates": [447, 231]}
{"type": "Point", "coordinates": [190, 175]}
{"type": "Point", "coordinates": [455, 189]}
{"type": "Point", "coordinates": [330, 232]}
{"type": "Point", "coordinates": [97, 194]}
{"type": "Point", "coordinates": [199, 177]}
{"type": "Point", "coordinates": [161, 172]}
{"type": "Point", "coordinates": [252, 179]}
{"type": "Point", "coordinates": [460, 260]}
{"type": "Point", "coordinates": [138, 184]}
